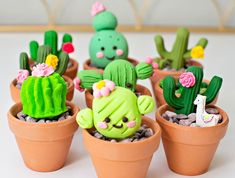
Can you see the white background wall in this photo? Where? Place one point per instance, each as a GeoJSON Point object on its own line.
{"type": "Point", "coordinates": [161, 12]}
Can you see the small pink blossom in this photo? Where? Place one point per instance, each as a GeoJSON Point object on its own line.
{"type": "Point", "coordinates": [77, 84]}
{"type": "Point", "coordinates": [149, 60]}
{"type": "Point", "coordinates": [68, 47]}
{"type": "Point", "coordinates": [42, 70]}
{"type": "Point", "coordinates": [97, 8]}
{"type": "Point", "coordinates": [103, 88]}
{"type": "Point", "coordinates": [187, 79]}
{"type": "Point", "coordinates": [22, 76]}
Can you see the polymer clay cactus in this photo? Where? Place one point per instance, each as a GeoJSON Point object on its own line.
{"type": "Point", "coordinates": [51, 39]}
{"type": "Point", "coordinates": [191, 82]}
{"type": "Point", "coordinates": [116, 111]}
{"type": "Point", "coordinates": [107, 44]}
{"type": "Point", "coordinates": [43, 94]}
{"type": "Point", "coordinates": [121, 72]}
{"type": "Point", "coordinates": [180, 53]}
{"type": "Point", "coordinates": [44, 55]}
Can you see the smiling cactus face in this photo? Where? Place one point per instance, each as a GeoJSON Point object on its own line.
{"type": "Point", "coordinates": [107, 44]}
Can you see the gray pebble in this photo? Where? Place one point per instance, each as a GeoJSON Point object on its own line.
{"type": "Point", "coordinates": [41, 121]}
{"type": "Point", "coordinates": [181, 116]}
{"type": "Point", "coordinates": [19, 85]}
{"type": "Point", "coordinates": [48, 121]}
{"type": "Point", "coordinates": [61, 118]}
{"type": "Point", "coordinates": [192, 116]}
{"type": "Point", "coordinates": [29, 119]}
{"type": "Point", "coordinates": [212, 111]}
{"type": "Point", "coordinates": [113, 140]}
{"type": "Point", "coordinates": [165, 116]}
{"type": "Point", "coordinates": [98, 135]}
{"type": "Point", "coordinates": [127, 140]}
{"type": "Point", "coordinates": [170, 114]}
{"type": "Point", "coordinates": [193, 125]}
{"type": "Point", "coordinates": [21, 116]}
{"type": "Point", "coordinates": [148, 133]}
{"type": "Point", "coordinates": [184, 122]}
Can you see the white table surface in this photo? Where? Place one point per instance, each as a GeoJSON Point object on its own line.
{"type": "Point", "coordinates": [219, 60]}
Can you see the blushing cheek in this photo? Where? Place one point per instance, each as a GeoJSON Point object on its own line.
{"type": "Point", "coordinates": [99, 54]}
{"type": "Point", "coordinates": [119, 52]}
{"type": "Point", "coordinates": [102, 125]}
{"type": "Point", "coordinates": [131, 124]}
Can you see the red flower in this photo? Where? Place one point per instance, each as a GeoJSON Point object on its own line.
{"type": "Point", "coordinates": [68, 47]}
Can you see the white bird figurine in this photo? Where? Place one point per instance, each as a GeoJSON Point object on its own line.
{"type": "Point", "coordinates": [204, 119]}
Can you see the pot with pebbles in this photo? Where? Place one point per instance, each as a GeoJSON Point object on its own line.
{"type": "Point", "coordinates": [191, 133]}
{"type": "Point", "coordinates": [121, 72]}
{"type": "Point", "coordinates": [175, 62]}
{"type": "Point", "coordinates": [51, 39]}
{"type": "Point", "coordinates": [117, 136]}
{"type": "Point", "coordinates": [44, 57]}
{"type": "Point", "coordinates": [44, 123]}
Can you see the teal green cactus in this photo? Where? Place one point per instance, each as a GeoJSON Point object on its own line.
{"type": "Point", "coordinates": [121, 72]}
{"type": "Point", "coordinates": [44, 97]}
{"type": "Point", "coordinates": [50, 39]}
{"type": "Point", "coordinates": [184, 103]}
{"type": "Point", "coordinates": [107, 44]}
{"type": "Point", "coordinates": [180, 53]}
{"type": "Point", "coordinates": [117, 115]}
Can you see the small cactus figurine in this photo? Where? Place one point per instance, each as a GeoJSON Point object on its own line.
{"type": "Point", "coordinates": [121, 72]}
{"type": "Point", "coordinates": [116, 111]}
{"type": "Point", "coordinates": [107, 44]}
{"type": "Point", "coordinates": [180, 53]}
{"type": "Point", "coordinates": [51, 39]}
{"type": "Point", "coordinates": [43, 94]}
{"type": "Point", "coordinates": [191, 82]}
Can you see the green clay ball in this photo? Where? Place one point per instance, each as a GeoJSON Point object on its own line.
{"type": "Point", "coordinates": [105, 21]}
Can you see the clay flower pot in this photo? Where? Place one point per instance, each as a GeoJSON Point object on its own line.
{"type": "Point", "coordinates": [119, 160]}
{"type": "Point", "coordinates": [161, 74]}
{"type": "Point", "coordinates": [15, 92]}
{"type": "Point", "coordinates": [158, 92]}
{"type": "Point", "coordinates": [139, 89]}
{"type": "Point", "coordinates": [87, 65]}
{"type": "Point", "coordinates": [43, 146]}
{"type": "Point", "coordinates": [190, 150]}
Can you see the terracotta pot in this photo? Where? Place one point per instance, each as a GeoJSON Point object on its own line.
{"type": "Point", "coordinates": [123, 160]}
{"type": "Point", "coordinates": [43, 146]}
{"type": "Point", "coordinates": [190, 150]}
{"type": "Point", "coordinates": [161, 74]}
{"type": "Point", "coordinates": [139, 89]}
{"type": "Point", "coordinates": [158, 92]}
{"type": "Point", "coordinates": [15, 92]}
{"type": "Point", "coordinates": [87, 65]}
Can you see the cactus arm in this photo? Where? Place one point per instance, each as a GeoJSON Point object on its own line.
{"type": "Point", "coordinates": [24, 62]}
{"type": "Point", "coordinates": [169, 88]}
{"type": "Point", "coordinates": [67, 38]}
{"type": "Point", "coordinates": [85, 118]}
{"type": "Point", "coordinates": [159, 42]}
{"type": "Point", "coordinates": [63, 63]}
{"type": "Point", "coordinates": [89, 77]}
{"type": "Point", "coordinates": [213, 89]}
{"type": "Point", "coordinates": [143, 70]}
{"type": "Point", "coordinates": [43, 51]}
{"type": "Point", "coordinates": [33, 48]}
{"type": "Point", "coordinates": [51, 39]}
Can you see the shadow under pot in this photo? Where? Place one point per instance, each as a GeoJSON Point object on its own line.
{"type": "Point", "coordinates": [158, 93]}
{"type": "Point", "coordinates": [43, 146]}
{"type": "Point", "coordinates": [161, 73]}
{"type": "Point", "coordinates": [190, 150]}
{"type": "Point", "coordinates": [140, 90]}
{"type": "Point", "coordinates": [15, 90]}
{"type": "Point", "coordinates": [119, 160]}
{"type": "Point", "coordinates": [88, 66]}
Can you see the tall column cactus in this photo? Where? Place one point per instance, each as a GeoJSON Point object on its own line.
{"type": "Point", "coordinates": [180, 52]}
{"type": "Point", "coordinates": [184, 103]}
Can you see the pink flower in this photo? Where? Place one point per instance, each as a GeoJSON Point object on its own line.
{"type": "Point", "coordinates": [103, 88]}
{"type": "Point", "coordinates": [97, 8]}
{"type": "Point", "coordinates": [22, 75]}
{"type": "Point", "coordinates": [187, 79]}
{"type": "Point", "coordinates": [68, 47]}
{"type": "Point", "coordinates": [149, 60]}
{"type": "Point", "coordinates": [77, 84]}
{"type": "Point", "coordinates": [42, 70]}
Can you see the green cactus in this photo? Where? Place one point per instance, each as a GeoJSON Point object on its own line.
{"type": "Point", "coordinates": [184, 103]}
{"type": "Point", "coordinates": [24, 62]}
{"type": "Point", "coordinates": [50, 39]}
{"type": "Point", "coordinates": [121, 72]}
{"type": "Point", "coordinates": [180, 53]}
{"type": "Point", "coordinates": [107, 44]}
{"type": "Point", "coordinates": [44, 97]}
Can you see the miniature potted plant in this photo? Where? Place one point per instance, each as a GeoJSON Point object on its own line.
{"type": "Point", "coordinates": [191, 131]}
{"type": "Point", "coordinates": [107, 44]}
{"type": "Point", "coordinates": [51, 39]}
{"type": "Point", "coordinates": [44, 123]}
{"type": "Point", "coordinates": [44, 56]}
{"type": "Point", "coordinates": [121, 72]}
{"type": "Point", "coordinates": [119, 139]}
{"type": "Point", "coordinates": [175, 62]}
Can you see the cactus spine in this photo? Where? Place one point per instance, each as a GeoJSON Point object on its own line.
{"type": "Point", "coordinates": [180, 52]}
{"type": "Point", "coordinates": [184, 103]}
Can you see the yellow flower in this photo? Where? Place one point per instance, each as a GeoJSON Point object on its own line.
{"type": "Point", "coordinates": [100, 84]}
{"type": "Point", "coordinates": [52, 60]}
{"type": "Point", "coordinates": [197, 52]}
